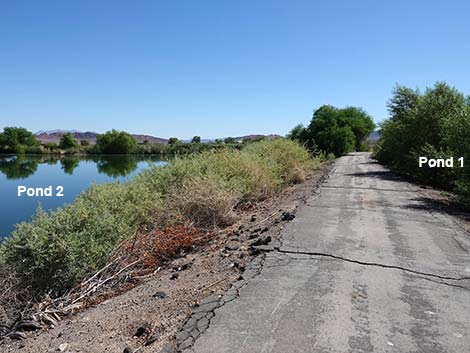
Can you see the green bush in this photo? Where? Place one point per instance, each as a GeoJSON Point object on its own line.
{"type": "Point", "coordinates": [334, 130]}
{"type": "Point", "coordinates": [255, 172]}
{"type": "Point", "coordinates": [435, 124]}
{"type": "Point", "coordinates": [32, 149]}
{"type": "Point", "coordinates": [68, 141]}
{"type": "Point", "coordinates": [115, 142]}
{"type": "Point", "coordinates": [54, 250]}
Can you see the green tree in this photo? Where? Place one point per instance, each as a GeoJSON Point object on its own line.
{"type": "Point", "coordinates": [115, 142]}
{"type": "Point", "coordinates": [360, 123]}
{"type": "Point", "coordinates": [173, 141]}
{"type": "Point", "coordinates": [334, 130]}
{"type": "Point", "coordinates": [229, 140]}
{"type": "Point", "coordinates": [115, 166]}
{"type": "Point", "coordinates": [51, 146]}
{"type": "Point", "coordinates": [84, 143]}
{"type": "Point", "coordinates": [196, 139]}
{"type": "Point", "coordinates": [68, 141]}
{"type": "Point", "coordinates": [15, 139]}
{"type": "Point", "coordinates": [69, 165]}
{"type": "Point", "coordinates": [298, 133]}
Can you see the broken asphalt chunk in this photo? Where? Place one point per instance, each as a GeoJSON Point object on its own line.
{"type": "Point", "coordinates": [262, 241]}
{"type": "Point", "coordinates": [287, 216]}
{"type": "Point", "coordinates": [159, 294]}
{"type": "Point", "coordinates": [152, 339]}
{"type": "Point", "coordinates": [142, 329]}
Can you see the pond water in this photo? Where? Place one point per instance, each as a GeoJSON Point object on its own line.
{"type": "Point", "coordinates": [74, 174]}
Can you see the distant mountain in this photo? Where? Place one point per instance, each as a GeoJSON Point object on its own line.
{"type": "Point", "coordinates": [54, 131]}
{"type": "Point", "coordinates": [256, 137]}
{"type": "Point", "coordinates": [148, 138]}
{"type": "Point", "coordinates": [55, 136]}
{"type": "Point", "coordinates": [374, 136]}
{"type": "Point", "coordinates": [90, 136]}
{"type": "Point", "coordinates": [241, 138]}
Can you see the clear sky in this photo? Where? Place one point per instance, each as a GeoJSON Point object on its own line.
{"type": "Point", "coordinates": [219, 68]}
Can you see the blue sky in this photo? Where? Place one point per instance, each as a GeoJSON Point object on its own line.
{"type": "Point", "coordinates": [218, 68]}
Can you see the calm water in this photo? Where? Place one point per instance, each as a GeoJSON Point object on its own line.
{"type": "Point", "coordinates": [74, 174]}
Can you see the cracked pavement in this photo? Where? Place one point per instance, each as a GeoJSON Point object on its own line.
{"type": "Point", "coordinates": [366, 266]}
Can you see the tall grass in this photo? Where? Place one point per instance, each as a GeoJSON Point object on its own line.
{"type": "Point", "coordinates": [54, 250]}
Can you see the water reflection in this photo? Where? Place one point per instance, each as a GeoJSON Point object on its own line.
{"type": "Point", "coordinates": [115, 167]}
{"type": "Point", "coordinates": [69, 164]}
{"type": "Point", "coordinates": [24, 166]}
{"type": "Point", "coordinates": [73, 173]}
{"type": "Point", "coordinates": [18, 167]}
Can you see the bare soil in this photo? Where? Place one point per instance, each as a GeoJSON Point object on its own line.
{"type": "Point", "coordinates": [147, 317]}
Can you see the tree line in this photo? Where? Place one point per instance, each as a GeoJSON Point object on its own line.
{"type": "Point", "coordinates": [18, 140]}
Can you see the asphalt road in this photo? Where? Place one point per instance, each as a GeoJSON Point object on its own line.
{"type": "Point", "coordinates": [388, 275]}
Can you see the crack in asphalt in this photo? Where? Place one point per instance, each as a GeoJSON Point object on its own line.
{"type": "Point", "coordinates": [436, 281]}
{"type": "Point", "coordinates": [444, 283]}
{"type": "Point", "coordinates": [202, 314]}
{"type": "Point", "coordinates": [364, 263]}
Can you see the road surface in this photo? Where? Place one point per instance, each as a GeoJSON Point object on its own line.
{"type": "Point", "coordinates": [366, 266]}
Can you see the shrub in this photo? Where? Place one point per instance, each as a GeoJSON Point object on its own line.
{"type": "Point", "coordinates": [441, 177]}
{"type": "Point", "coordinates": [51, 146]}
{"type": "Point", "coordinates": [31, 149]}
{"type": "Point", "coordinates": [56, 249]}
{"type": "Point", "coordinates": [435, 124]}
{"type": "Point", "coordinates": [283, 157]}
{"type": "Point", "coordinates": [154, 248]}
{"type": "Point", "coordinates": [202, 202]}
{"type": "Point", "coordinates": [12, 297]}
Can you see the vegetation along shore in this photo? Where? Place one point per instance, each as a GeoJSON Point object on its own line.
{"type": "Point", "coordinates": [19, 140]}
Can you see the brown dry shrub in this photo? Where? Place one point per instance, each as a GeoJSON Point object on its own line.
{"type": "Point", "coordinates": [298, 175]}
{"type": "Point", "coordinates": [12, 297]}
{"type": "Point", "coordinates": [136, 258]}
{"type": "Point", "coordinates": [155, 247]}
{"type": "Point", "coordinates": [204, 203]}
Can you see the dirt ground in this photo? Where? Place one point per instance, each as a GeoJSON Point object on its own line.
{"type": "Point", "coordinates": [147, 317]}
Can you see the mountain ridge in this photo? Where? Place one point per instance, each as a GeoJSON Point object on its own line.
{"type": "Point", "coordinates": [55, 135]}
{"type": "Point", "coordinates": [90, 136]}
